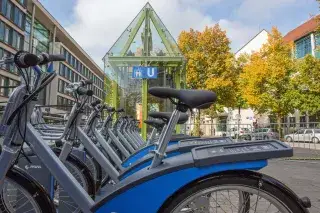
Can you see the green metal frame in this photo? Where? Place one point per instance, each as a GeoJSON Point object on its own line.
{"type": "Point", "coordinates": [133, 34]}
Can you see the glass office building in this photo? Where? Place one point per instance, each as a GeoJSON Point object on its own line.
{"type": "Point", "coordinates": [27, 25]}
{"type": "Point", "coordinates": [12, 25]}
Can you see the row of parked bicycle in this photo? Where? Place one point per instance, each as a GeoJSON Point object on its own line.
{"type": "Point", "coordinates": [50, 168]}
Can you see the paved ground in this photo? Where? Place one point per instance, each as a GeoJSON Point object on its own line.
{"type": "Point", "coordinates": [302, 176]}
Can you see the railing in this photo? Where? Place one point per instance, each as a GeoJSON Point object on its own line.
{"type": "Point", "coordinates": [303, 135]}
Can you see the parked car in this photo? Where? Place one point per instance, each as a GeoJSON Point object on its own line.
{"type": "Point", "coordinates": [233, 132]}
{"type": "Point", "coordinates": [304, 135]}
{"type": "Point", "coordinates": [262, 134]}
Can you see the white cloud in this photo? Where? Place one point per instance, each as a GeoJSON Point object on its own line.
{"type": "Point", "coordinates": [237, 32]}
{"type": "Point", "coordinates": [98, 23]}
{"type": "Point", "coordinates": [261, 10]}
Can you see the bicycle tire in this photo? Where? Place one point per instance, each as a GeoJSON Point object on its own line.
{"type": "Point", "coordinates": [233, 179]}
{"type": "Point", "coordinates": [75, 163]}
{"type": "Point", "coordinates": [84, 170]}
{"type": "Point", "coordinates": [95, 169]}
{"type": "Point", "coordinates": [32, 187]}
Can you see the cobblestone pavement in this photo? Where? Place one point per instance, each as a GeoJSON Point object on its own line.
{"type": "Point", "coordinates": [302, 176]}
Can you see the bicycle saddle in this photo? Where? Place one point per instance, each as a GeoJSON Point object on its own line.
{"type": "Point", "coordinates": [155, 123]}
{"type": "Point", "coordinates": [165, 116]}
{"type": "Point", "coordinates": [200, 99]}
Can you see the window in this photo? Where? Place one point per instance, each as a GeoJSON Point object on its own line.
{"type": "Point", "coordinates": [4, 6]}
{"type": "Point", "coordinates": [66, 74]}
{"type": "Point", "coordinates": [22, 2]}
{"type": "Point", "coordinates": [301, 131]}
{"type": "Point", "coordinates": [61, 69]}
{"type": "Point", "coordinates": [317, 51]}
{"type": "Point", "coordinates": [9, 10]}
{"type": "Point", "coordinates": [21, 20]}
{"type": "Point", "coordinates": [20, 42]}
{"type": "Point", "coordinates": [14, 39]}
{"type": "Point", "coordinates": [71, 76]}
{"type": "Point", "coordinates": [317, 131]}
{"type": "Point", "coordinates": [7, 34]}
{"type": "Point", "coordinates": [308, 131]}
{"type": "Point", "coordinates": [60, 86]}
{"type": "Point", "coordinates": [303, 47]}
{"type": "Point", "coordinates": [16, 15]}
{"type": "Point", "coordinates": [2, 31]}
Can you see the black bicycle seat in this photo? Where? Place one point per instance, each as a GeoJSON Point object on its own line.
{"type": "Point", "coordinates": [165, 116]}
{"type": "Point", "coordinates": [200, 99]}
{"type": "Point", "coordinates": [155, 123]}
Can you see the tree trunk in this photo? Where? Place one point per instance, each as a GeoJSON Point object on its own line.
{"type": "Point", "coordinates": [279, 125]}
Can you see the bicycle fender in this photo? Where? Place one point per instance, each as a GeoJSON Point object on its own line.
{"type": "Point", "coordinates": [152, 187]}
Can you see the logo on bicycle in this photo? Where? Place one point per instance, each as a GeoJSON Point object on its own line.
{"type": "Point", "coordinates": [32, 167]}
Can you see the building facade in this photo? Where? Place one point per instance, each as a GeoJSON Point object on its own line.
{"type": "Point", "coordinates": [27, 25]}
{"type": "Point", "coordinates": [306, 41]}
{"type": "Point", "coordinates": [305, 38]}
{"type": "Point", "coordinates": [12, 26]}
{"type": "Point", "coordinates": [254, 44]}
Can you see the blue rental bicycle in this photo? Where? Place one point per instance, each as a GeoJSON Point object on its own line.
{"type": "Point", "coordinates": [212, 178]}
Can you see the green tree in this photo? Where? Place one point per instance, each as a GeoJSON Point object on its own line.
{"type": "Point", "coordinates": [266, 78]}
{"type": "Point", "coordinates": [306, 85]}
{"type": "Point", "coordinates": [210, 65]}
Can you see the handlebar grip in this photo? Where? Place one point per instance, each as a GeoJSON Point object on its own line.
{"type": "Point", "coordinates": [86, 82]}
{"type": "Point", "coordinates": [24, 59]}
{"type": "Point", "coordinates": [84, 91]}
{"type": "Point", "coordinates": [57, 58]}
{"type": "Point", "coordinates": [95, 103]}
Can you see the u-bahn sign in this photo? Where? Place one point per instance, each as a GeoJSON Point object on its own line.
{"type": "Point", "coordinates": [144, 72]}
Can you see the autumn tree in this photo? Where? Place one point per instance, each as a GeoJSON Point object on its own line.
{"type": "Point", "coordinates": [266, 78]}
{"type": "Point", "coordinates": [306, 85]}
{"type": "Point", "coordinates": [209, 64]}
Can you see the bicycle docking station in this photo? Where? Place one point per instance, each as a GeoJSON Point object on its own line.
{"type": "Point", "coordinates": [240, 152]}
{"type": "Point", "coordinates": [181, 147]}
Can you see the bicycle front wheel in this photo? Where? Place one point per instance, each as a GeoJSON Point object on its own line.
{"type": "Point", "coordinates": [21, 193]}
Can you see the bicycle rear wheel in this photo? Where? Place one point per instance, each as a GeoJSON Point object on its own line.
{"type": "Point", "coordinates": [231, 194]}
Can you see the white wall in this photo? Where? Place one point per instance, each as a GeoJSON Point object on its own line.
{"type": "Point", "coordinates": [255, 44]}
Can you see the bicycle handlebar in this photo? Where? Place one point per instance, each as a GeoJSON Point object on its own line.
{"type": "Point", "coordinates": [25, 59]}
{"type": "Point", "coordinates": [45, 58]}
{"type": "Point", "coordinates": [84, 91]}
{"type": "Point", "coordinates": [86, 82]}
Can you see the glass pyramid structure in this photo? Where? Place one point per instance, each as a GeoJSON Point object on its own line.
{"type": "Point", "coordinates": [146, 36]}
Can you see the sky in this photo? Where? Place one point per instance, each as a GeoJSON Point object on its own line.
{"type": "Point", "coordinates": [96, 24]}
